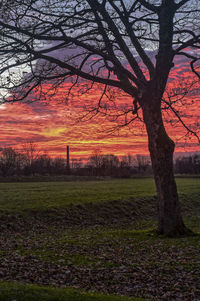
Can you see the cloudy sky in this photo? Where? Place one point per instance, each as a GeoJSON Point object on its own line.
{"type": "Point", "coordinates": [53, 125]}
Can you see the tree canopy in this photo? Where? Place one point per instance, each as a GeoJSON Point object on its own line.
{"type": "Point", "coordinates": [120, 43]}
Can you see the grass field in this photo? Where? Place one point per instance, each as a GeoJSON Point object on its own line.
{"type": "Point", "coordinates": [43, 195]}
{"type": "Point", "coordinates": [38, 293]}
{"type": "Point", "coordinates": [96, 237]}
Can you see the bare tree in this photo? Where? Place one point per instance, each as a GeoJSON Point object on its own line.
{"type": "Point", "coordinates": [30, 152]}
{"type": "Point", "coordinates": [95, 161]}
{"type": "Point", "coordinates": [59, 166]}
{"type": "Point", "coordinates": [76, 163]}
{"type": "Point", "coordinates": [127, 45]}
{"type": "Point", "coordinates": [142, 162]}
{"type": "Point", "coordinates": [9, 161]}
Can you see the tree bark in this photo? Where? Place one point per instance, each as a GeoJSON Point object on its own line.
{"type": "Point", "coordinates": [161, 148]}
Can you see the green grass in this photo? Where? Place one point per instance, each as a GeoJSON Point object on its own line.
{"type": "Point", "coordinates": [18, 197]}
{"type": "Point", "coordinates": [42, 195]}
{"type": "Point", "coordinates": [100, 257]}
{"type": "Point", "coordinates": [22, 292]}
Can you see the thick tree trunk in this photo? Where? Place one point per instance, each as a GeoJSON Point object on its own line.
{"type": "Point", "coordinates": [161, 149]}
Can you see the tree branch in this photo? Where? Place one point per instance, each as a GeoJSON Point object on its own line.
{"type": "Point", "coordinates": [181, 3]}
{"type": "Point", "coordinates": [149, 6]}
{"type": "Point", "coordinates": [181, 120]}
{"type": "Point", "coordinates": [193, 68]}
{"type": "Point", "coordinates": [123, 46]}
{"type": "Point", "coordinates": [146, 60]}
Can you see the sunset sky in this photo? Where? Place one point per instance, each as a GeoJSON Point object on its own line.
{"type": "Point", "coordinates": [52, 125]}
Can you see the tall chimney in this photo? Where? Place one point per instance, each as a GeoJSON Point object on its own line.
{"type": "Point", "coordinates": [67, 162]}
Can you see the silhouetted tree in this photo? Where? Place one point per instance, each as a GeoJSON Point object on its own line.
{"type": "Point", "coordinates": [59, 166]}
{"type": "Point", "coordinates": [76, 165]}
{"type": "Point", "coordinates": [127, 166]}
{"type": "Point", "coordinates": [95, 162]}
{"type": "Point", "coordinates": [188, 165]}
{"type": "Point", "coordinates": [42, 165]}
{"type": "Point", "coordinates": [9, 163]}
{"type": "Point", "coordinates": [128, 45]}
{"type": "Point", "coordinates": [110, 164]}
{"type": "Point", "coordinates": [31, 153]}
{"type": "Point", "coordinates": [143, 162]}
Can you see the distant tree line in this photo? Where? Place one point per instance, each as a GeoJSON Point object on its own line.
{"type": "Point", "coordinates": [110, 165]}
{"type": "Point", "coordinates": [29, 161]}
{"type": "Point", "coordinates": [187, 165]}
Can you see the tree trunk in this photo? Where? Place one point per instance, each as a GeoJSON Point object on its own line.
{"type": "Point", "coordinates": [161, 149]}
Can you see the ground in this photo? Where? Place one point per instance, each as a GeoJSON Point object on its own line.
{"type": "Point", "coordinates": [95, 236]}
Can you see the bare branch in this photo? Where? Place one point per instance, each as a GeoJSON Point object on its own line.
{"type": "Point", "coordinates": [193, 68]}
{"type": "Point", "coordinates": [136, 43]}
{"type": "Point", "coordinates": [149, 6]}
{"type": "Point", "coordinates": [181, 120]}
{"type": "Point", "coordinates": [123, 46]}
{"type": "Point", "coordinates": [181, 3]}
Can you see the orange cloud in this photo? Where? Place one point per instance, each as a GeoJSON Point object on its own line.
{"type": "Point", "coordinates": [52, 125]}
